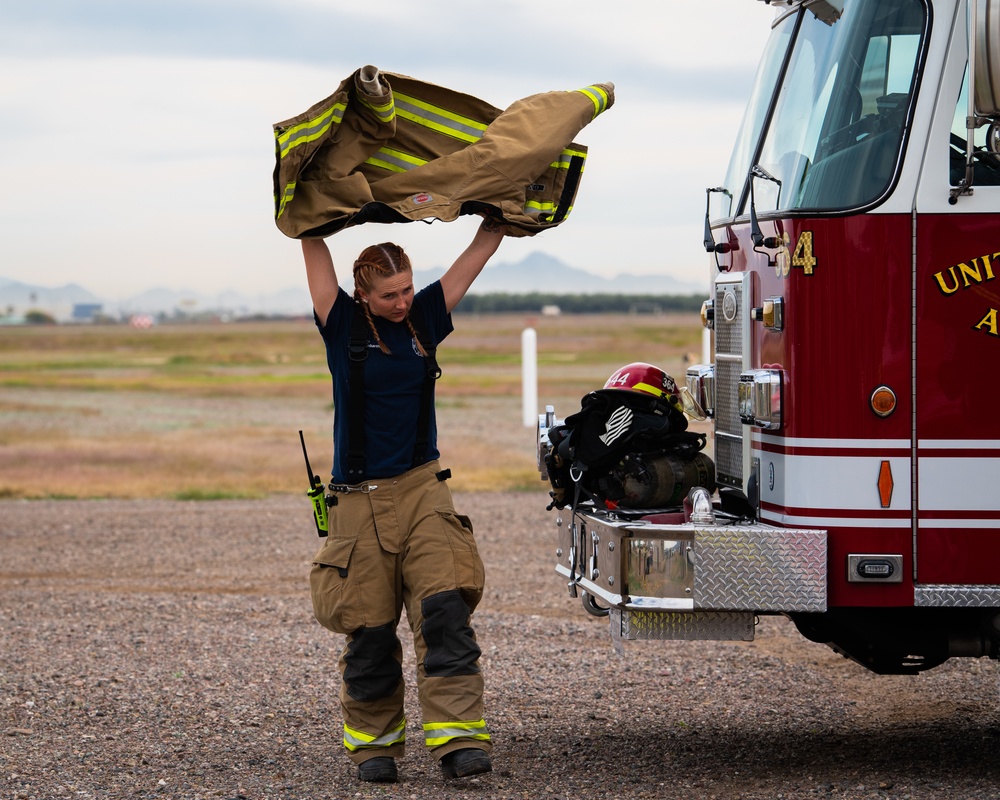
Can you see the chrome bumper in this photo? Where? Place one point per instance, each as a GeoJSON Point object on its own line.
{"type": "Point", "coordinates": [686, 581]}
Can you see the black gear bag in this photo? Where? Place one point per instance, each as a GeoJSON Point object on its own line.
{"type": "Point", "coordinates": [616, 447]}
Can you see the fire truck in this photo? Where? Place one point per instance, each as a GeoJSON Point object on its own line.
{"type": "Point", "coordinates": [852, 358]}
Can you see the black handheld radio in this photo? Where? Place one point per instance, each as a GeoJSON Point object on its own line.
{"type": "Point", "coordinates": [316, 494]}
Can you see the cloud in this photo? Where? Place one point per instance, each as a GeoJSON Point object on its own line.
{"type": "Point", "coordinates": [137, 136]}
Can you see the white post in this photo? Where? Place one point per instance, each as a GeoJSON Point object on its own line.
{"type": "Point", "coordinates": [529, 378]}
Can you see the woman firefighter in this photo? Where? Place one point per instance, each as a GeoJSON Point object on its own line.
{"type": "Point", "coordinates": [395, 539]}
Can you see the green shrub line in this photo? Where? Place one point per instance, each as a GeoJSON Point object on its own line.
{"type": "Point", "coordinates": [499, 303]}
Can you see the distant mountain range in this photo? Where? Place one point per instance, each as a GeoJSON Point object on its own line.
{"type": "Point", "coordinates": [543, 274]}
{"type": "Point", "coordinates": [536, 273]}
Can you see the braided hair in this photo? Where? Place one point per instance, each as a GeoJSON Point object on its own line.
{"type": "Point", "coordinates": [381, 261]}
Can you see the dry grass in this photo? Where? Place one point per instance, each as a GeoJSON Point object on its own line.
{"type": "Point", "coordinates": [205, 411]}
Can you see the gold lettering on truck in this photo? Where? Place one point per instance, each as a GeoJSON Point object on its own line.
{"type": "Point", "coordinates": [801, 257]}
{"type": "Point", "coordinates": [966, 275]}
{"type": "Point", "coordinates": [988, 324]}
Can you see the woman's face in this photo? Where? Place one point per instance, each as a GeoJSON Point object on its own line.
{"type": "Point", "coordinates": [391, 297]}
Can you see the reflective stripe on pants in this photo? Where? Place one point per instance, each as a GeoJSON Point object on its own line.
{"type": "Point", "coordinates": [438, 733]}
{"type": "Point", "coordinates": [359, 740]}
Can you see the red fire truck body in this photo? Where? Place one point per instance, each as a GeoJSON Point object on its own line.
{"type": "Point", "coordinates": [855, 323]}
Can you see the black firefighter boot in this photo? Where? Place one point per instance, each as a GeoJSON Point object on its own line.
{"type": "Point", "coordinates": [463, 763]}
{"type": "Point", "coordinates": [381, 769]}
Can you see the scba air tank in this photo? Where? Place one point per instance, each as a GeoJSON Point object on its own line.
{"type": "Point", "coordinates": [663, 480]}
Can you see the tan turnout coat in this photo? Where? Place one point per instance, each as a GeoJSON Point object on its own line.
{"type": "Point", "coordinates": [410, 150]}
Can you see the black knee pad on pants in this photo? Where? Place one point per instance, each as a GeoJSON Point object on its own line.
{"type": "Point", "coordinates": [451, 645]}
{"type": "Point", "coordinates": [371, 670]}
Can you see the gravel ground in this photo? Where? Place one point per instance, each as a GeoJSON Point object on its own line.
{"type": "Point", "coordinates": [158, 649]}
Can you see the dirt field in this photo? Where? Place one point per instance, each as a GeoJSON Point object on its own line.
{"type": "Point", "coordinates": [166, 649]}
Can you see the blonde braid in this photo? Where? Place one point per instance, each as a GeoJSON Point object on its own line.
{"type": "Point", "coordinates": [371, 323]}
{"type": "Point", "coordinates": [377, 261]}
{"type": "Point", "coordinates": [416, 338]}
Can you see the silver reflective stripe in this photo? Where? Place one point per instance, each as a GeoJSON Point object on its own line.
{"type": "Point", "coordinates": [310, 130]}
{"type": "Point", "coordinates": [385, 112]}
{"type": "Point", "coordinates": [286, 198]}
{"type": "Point", "coordinates": [358, 740]}
{"type": "Point", "coordinates": [544, 209]}
{"type": "Point", "coordinates": [565, 157]}
{"type": "Point", "coordinates": [537, 207]}
{"type": "Point", "coordinates": [394, 160]}
{"type": "Point", "coordinates": [437, 733]}
{"type": "Point", "coordinates": [598, 96]}
{"type": "Point", "coordinates": [439, 119]}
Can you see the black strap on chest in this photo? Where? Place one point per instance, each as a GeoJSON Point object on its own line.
{"type": "Point", "coordinates": [358, 354]}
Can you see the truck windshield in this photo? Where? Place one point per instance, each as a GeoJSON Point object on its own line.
{"type": "Point", "coordinates": [835, 134]}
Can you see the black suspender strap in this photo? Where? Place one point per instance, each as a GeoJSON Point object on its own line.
{"type": "Point", "coordinates": [358, 353]}
{"type": "Point", "coordinates": [427, 393]}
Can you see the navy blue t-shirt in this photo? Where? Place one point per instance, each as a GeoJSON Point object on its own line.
{"type": "Point", "coordinates": [393, 384]}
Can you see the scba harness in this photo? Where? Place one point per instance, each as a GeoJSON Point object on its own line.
{"type": "Point", "coordinates": [626, 449]}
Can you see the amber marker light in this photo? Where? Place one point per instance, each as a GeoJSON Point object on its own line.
{"type": "Point", "coordinates": [708, 314]}
{"type": "Point", "coordinates": [883, 401]}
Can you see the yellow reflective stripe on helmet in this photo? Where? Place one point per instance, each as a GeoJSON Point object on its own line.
{"type": "Point", "coordinates": [648, 388]}
{"type": "Point", "coordinates": [598, 96]}
{"type": "Point", "coordinates": [310, 130]}
{"type": "Point", "coordinates": [285, 199]}
{"type": "Point", "coordinates": [386, 112]}
{"type": "Point", "coordinates": [437, 733]}
{"type": "Point", "coordinates": [359, 740]}
{"type": "Point", "coordinates": [439, 119]}
{"type": "Point", "coordinates": [394, 160]}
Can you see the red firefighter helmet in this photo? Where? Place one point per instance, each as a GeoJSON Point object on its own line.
{"type": "Point", "coordinates": [642, 377]}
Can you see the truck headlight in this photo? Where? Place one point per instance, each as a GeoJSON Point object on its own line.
{"type": "Point", "coordinates": [759, 396]}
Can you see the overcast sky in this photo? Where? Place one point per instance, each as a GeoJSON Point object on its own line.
{"type": "Point", "coordinates": [136, 147]}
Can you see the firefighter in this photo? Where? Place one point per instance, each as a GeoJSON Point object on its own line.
{"type": "Point", "coordinates": [395, 539]}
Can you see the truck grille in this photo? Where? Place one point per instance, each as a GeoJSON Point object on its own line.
{"type": "Point", "coordinates": [729, 344]}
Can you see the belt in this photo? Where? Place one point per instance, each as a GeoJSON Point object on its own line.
{"type": "Point", "coordinates": [368, 488]}
{"type": "Point", "coordinates": [344, 488]}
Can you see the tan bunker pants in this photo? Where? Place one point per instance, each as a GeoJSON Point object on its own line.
{"type": "Point", "coordinates": [399, 542]}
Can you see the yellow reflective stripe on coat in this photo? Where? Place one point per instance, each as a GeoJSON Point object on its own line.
{"type": "Point", "coordinates": [386, 112]}
{"type": "Point", "coordinates": [542, 210]}
{"type": "Point", "coordinates": [359, 740]}
{"type": "Point", "coordinates": [310, 130]}
{"type": "Point", "coordinates": [598, 96]}
{"type": "Point", "coordinates": [439, 119]}
{"type": "Point", "coordinates": [394, 160]}
{"type": "Point", "coordinates": [565, 157]}
{"type": "Point", "coordinates": [437, 733]}
{"type": "Point", "coordinates": [285, 199]}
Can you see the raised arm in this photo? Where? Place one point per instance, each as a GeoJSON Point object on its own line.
{"type": "Point", "coordinates": [459, 277]}
{"type": "Point", "coordinates": [321, 276]}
